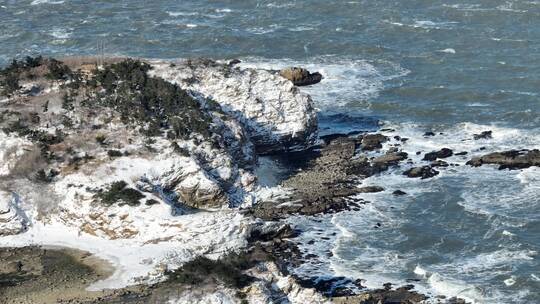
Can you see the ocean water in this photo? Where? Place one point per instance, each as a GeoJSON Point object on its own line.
{"type": "Point", "coordinates": [456, 67]}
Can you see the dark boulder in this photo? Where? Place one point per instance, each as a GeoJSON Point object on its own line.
{"type": "Point", "coordinates": [443, 153]}
{"type": "Point", "coordinates": [300, 76]}
{"type": "Point", "coordinates": [512, 159]}
{"type": "Point", "coordinates": [483, 135]}
{"type": "Point", "coordinates": [372, 142]}
{"type": "Point", "coordinates": [422, 172]}
{"type": "Point", "coordinates": [399, 193]}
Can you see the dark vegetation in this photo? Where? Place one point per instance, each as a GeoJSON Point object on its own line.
{"type": "Point", "coordinates": [118, 192]}
{"type": "Point", "coordinates": [114, 153]}
{"type": "Point", "coordinates": [11, 75]}
{"type": "Point", "coordinates": [46, 177]}
{"type": "Point", "coordinates": [157, 103]}
{"type": "Point", "coordinates": [227, 270]}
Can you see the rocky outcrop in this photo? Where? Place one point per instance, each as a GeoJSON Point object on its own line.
{"type": "Point", "coordinates": [513, 159]}
{"type": "Point", "coordinates": [422, 172]}
{"type": "Point", "coordinates": [329, 177]}
{"type": "Point", "coordinates": [277, 116]}
{"type": "Point", "coordinates": [12, 220]}
{"type": "Point", "coordinates": [300, 76]}
{"type": "Point", "coordinates": [372, 142]}
{"type": "Point", "coordinates": [483, 135]}
{"type": "Point", "coordinates": [443, 153]}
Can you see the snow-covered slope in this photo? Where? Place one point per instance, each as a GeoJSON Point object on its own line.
{"type": "Point", "coordinates": [277, 115]}
{"type": "Point", "coordinates": [80, 176]}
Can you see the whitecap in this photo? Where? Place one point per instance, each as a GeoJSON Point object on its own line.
{"type": "Point", "coordinates": [510, 281]}
{"type": "Point", "coordinates": [281, 5]}
{"type": "Point", "coordinates": [60, 33]}
{"type": "Point", "coordinates": [223, 10]}
{"type": "Point", "coordinates": [455, 288]}
{"type": "Point", "coordinates": [300, 28]}
{"type": "Point", "coordinates": [37, 2]}
{"type": "Point", "coordinates": [507, 233]}
{"type": "Point", "coordinates": [176, 14]}
{"type": "Point", "coordinates": [420, 271]}
{"type": "Point", "coordinates": [449, 51]}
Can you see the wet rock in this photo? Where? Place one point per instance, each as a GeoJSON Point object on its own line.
{"type": "Point", "coordinates": [372, 142]}
{"type": "Point", "coordinates": [439, 163]}
{"type": "Point", "coordinates": [330, 287]}
{"type": "Point", "coordinates": [234, 62]}
{"type": "Point", "coordinates": [324, 184]}
{"type": "Point", "coordinates": [370, 189]}
{"type": "Point", "coordinates": [483, 135]}
{"type": "Point", "coordinates": [443, 153]}
{"type": "Point", "coordinates": [399, 193]}
{"type": "Point", "coordinates": [422, 172]}
{"type": "Point", "coordinates": [512, 159]}
{"type": "Point", "coordinates": [300, 76]}
{"type": "Point", "coordinates": [390, 158]}
{"type": "Point", "coordinates": [386, 295]}
{"type": "Point", "coordinates": [462, 153]}
{"type": "Point", "coordinates": [429, 134]}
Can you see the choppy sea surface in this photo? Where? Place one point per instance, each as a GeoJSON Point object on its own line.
{"type": "Point", "coordinates": [456, 67]}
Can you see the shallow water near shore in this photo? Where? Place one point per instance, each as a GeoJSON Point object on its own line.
{"type": "Point", "coordinates": [413, 66]}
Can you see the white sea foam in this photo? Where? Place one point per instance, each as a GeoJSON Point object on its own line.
{"type": "Point", "coordinates": [177, 14]}
{"type": "Point", "coordinates": [60, 33]}
{"type": "Point", "coordinates": [360, 248]}
{"type": "Point", "coordinates": [449, 287]}
{"type": "Point", "coordinates": [510, 281]}
{"type": "Point", "coordinates": [280, 5]}
{"type": "Point", "coordinates": [449, 51]}
{"type": "Point", "coordinates": [37, 2]}
{"type": "Point", "coordinates": [351, 79]}
{"type": "Point", "coordinates": [424, 24]}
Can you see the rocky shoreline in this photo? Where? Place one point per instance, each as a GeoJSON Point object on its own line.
{"type": "Point", "coordinates": [151, 165]}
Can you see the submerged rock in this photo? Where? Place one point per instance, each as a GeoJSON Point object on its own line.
{"type": "Point", "coordinates": [512, 159]}
{"type": "Point", "coordinates": [300, 76]}
{"type": "Point", "coordinates": [399, 193]}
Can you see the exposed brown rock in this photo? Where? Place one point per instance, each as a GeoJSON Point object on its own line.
{"type": "Point", "coordinates": [512, 160]}
{"type": "Point", "coordinates": [300, 76]}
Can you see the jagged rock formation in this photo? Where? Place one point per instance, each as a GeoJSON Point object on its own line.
{"type": "Point", "coordinates": [277, 116]}
{"type": "Point", "coordinates": [512, 160]}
